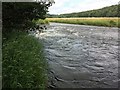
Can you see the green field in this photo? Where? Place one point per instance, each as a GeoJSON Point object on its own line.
{"type": "Point", "coordinates": [108, 22]}
{"type": "Point", "coordinates": [24, 64]}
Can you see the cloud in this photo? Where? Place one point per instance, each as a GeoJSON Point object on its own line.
{"type": "Point", "coordinates": [69, 6]}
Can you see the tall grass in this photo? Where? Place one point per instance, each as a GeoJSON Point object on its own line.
{"type": "Point", "coordinates": [109, 22]}
{"type": "Point", "coordinates": [24, 65]}
{"type": "Point", "coordinates": [41, 21]}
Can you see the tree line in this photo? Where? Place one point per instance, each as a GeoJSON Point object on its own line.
{"type": "Point", "coordinates": [111, 11]}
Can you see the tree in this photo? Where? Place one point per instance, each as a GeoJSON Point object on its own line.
{"type": "Point", "coordinates": [18, 13]}
{"type": "Point", "coordinates": [111, 11]}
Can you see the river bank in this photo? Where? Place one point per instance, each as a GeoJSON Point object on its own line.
{"type": "Point", "coordinates": [107, 22]}
{"type": "Point", "coordinates": [23, 62]}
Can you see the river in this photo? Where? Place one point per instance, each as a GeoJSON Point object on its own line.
{"type": "Point", "coordinates": [81, 56]}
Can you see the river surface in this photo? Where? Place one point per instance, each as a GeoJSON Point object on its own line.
{"type": "Point", "coordinates": [81, 56]}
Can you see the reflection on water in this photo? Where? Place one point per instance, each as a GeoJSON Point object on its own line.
{"type": "Point", "coordinates": [81, 56]}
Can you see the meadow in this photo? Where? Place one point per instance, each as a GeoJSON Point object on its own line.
{"type": "Point", "coordinates": [108, 22]}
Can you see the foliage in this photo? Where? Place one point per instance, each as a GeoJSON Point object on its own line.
{"type": "Point", "coordinates": [18, 14]}
{"type": "Point", "coordinates": [23, 64]}
{"type": "Point", "coordinates": [40, 21]}
{"type": "Point", "coordinates": [110, 22]}
{"type": "Point", "coordinates": [111, 11]}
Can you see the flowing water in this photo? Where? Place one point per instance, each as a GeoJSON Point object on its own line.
{"type": "Point", "coordinates": [81, 56]}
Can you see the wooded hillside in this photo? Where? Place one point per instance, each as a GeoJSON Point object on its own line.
{"type": "Point", "coordinates": [111, 11]}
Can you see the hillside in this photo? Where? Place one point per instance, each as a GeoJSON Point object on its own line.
{"type": "Point", "coordinates": [111, 11]}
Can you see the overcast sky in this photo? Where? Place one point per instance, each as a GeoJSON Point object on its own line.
{"type": "Point", "coordinates": [69, 6]}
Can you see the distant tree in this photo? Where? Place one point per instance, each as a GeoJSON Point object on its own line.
{"type": "Point", "coordinates": [111, 11]}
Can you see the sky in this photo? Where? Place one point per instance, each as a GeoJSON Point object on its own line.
{"type": "Point", "coordinates": [69, 6]}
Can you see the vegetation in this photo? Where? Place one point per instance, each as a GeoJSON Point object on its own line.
{"type": "Point", "coordinates": [40, 21]}
{"type": "Point", "coordinates": [24, 65]}
{"type": "Point", "coordinates": [110, 22]}
{"type": "Point", "coordinates": [21, 14]}
{"type": "Point", "coordinates": [111, 11]}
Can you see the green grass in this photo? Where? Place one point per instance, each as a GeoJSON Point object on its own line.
{"type": "Point", "coordinates": [40, 21]}
{"type": "Point", "coordinates": [108, 22]}
{"type": "Point", "coordinates": [24, 65]}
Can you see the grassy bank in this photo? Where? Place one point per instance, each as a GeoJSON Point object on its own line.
{"type": "Point", "coordinates": [24, 65]}
{"type": "Point", "coordinates": [40, 21]}
{"type": "Point", "coordinates": [108, 22]}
